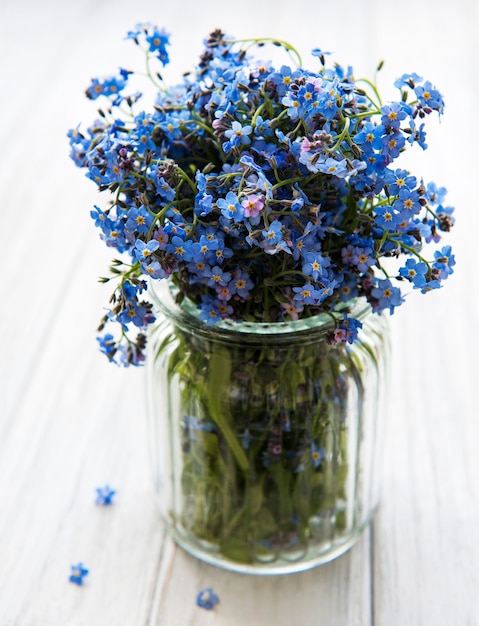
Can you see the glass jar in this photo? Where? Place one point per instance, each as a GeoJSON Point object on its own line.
{"type": "Point", "coordinates": [264, 437]}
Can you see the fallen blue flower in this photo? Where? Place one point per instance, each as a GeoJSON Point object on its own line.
{"type": "Point", "coordinates": [207, 599]}
{"type": "Point", "coordinates": [78, 574]}
{"type": "Point", "coordinates": [104, 495]}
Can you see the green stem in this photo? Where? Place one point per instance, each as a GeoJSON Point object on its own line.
{"type": "Point", "coordinates": [341, 137]}
{"type": "Point", "coordinates": [206, 128]}
{"type": "Point", "coordinates": [291, 50]}
{"type": "Point", "coordinates": [219, 381]}
{"type": "Point", "coordinates": [375, 90]}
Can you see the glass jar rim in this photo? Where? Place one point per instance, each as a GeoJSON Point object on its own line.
{"type": "Point", "coordinates": [185, 315]}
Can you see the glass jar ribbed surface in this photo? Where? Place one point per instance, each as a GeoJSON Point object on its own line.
{"type": "Point", "coordinates": [265, 439]}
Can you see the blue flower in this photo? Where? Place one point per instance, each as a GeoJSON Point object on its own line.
{"type": "Point", "coordinates": [138, 30]}
{"type": "Point", "coordinates": [308, 95]}
{"type": "Point", "coordinates": [330, 100]}
{"type": "Point", "coordinates": [306, 294]}
{"type": "Point", "coordinates": [154, 270]}
{"type": "Point", "coordinates": [317, 52]}
{"type": "Point", "coordinates": [292, 104]}
{"type": "Point", "coordinates": [203, 203]}
{"type": "Point", "coordinates": [334, 167]}
{"type": "Point", "coordinates": [387, 217]}
{"type": "Point", "coordinates": [250, 162]}
{"type": "Point", "coordinates": [347, 330]}
{"type": "Point", "coordinates": [108, 345]}
{"type": "Point", "coordinates": [222, 252]}
{"type": "Point", "coordinates": [431, 285]}
{"type": "Point", "coordinates": [262, 127]}
{"type": "Point", "coordinates": [348, 288]}
{"type": "Point", "coordinates": [326, 292]}
{"type": "Point", "coordinates": [415, 271]}
{"type": "Point", "coordinates": [393, 114]}
{"type": "Point", "coordinates": [317, 454]}
{"type": "Point", "coordinates": [207, 599]}
{"type": "Point", "coordinates": [78, 573]}
{"type": "Point", "coordinates": [181, 248]}
{"type": "Point", "coordinates": [273, 234]}
{"type": "Point", "coordinates": [207, 247]}
{"type": "Point", "coordinates": [315, 264]}
{"type": "Point", "coordinates": [113, 85]}
{"type": "Point", "coordinates": [408, 203]}
{"type": "Point", "coordinates": [158, 40]}
{"type": "Point", "coordinates": [375, 164]}
{"type": "Point", "coordinates": [105, 87]}
{"type": "Point", "coordinates": [361, 256]}
{"type": "Point", "coordinates": [164, 189]}
{"type": "Point", "coordinates": [444, 262]}
{"type": "Point", "coordinates": [208, 310]}
{"type": "Point", "coordinates": [385, 296]}
{"type": "Point", "coordinates": [418, 134]}
{"type": "Point", "coordinates": [246, 180]}
{"type": "Point", "coordinates": [171, 228]}
{"type": "Point", "coordinates": [97, 176]}
{"type": "Point", "coordinates": [104, 495]}
{"type": "Point", "coordinates": [393, 143]}
{"type": "Point", "coordinates": [136, 314]}
{"type": "Point", "coordinates": [283, 79]}
{"type": "Point", "coordinates": [192, 425]}
{"type": "Point", "coordinates": [139, 220]}
{"type": "Point", "coordinates": [241, 284]}
{"type": "Point", "coordinates": [101, 219]}
{"type": "Point", "coordinates": [230, 207]}
{"type": "Point", "coordinates": [429, 97]}
{"type": "Point", "coordinates": [370, 137]}
{"type": "Point", "coordinates": [407, 80]}
{"type": "Point", "coordinates": [143, 251]}
{"type": "Point", "coordinates": [398, 180]}
{"type": "Point", "coordinates": [435, 195]}
{"type": "Point", "coordinates": [238, 135]}
{"type": "Point", "coordinates": [217, 277]}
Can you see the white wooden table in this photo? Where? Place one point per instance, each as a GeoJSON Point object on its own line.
{"type": "Point", "coordinates": [70, 422]}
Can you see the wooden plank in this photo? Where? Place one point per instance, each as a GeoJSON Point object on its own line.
{"type": "Point", "coordinates": [71, 422]}
{"type": "Point", "coordinates": [426, 541]}
{"type": "Point", "coordinates": [338, 593]}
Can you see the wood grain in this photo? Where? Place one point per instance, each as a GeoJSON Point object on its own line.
{"type": "Point", "coordinates": [70, 422]}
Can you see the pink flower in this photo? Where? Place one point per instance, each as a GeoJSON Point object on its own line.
{"type": "Point", "coordinates": [306, 145]}
{"type": "Point", "coordinates": [253, 205]}
{"type": "Point", "coordinates": [340, 335]}
{"type": "Point", "coordinates": [291, 310]}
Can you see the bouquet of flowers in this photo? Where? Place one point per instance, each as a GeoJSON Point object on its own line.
{"type": "Point", "coordinates": [262, 197]}
{"type": "Point", "coordinates": [263, 193]}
